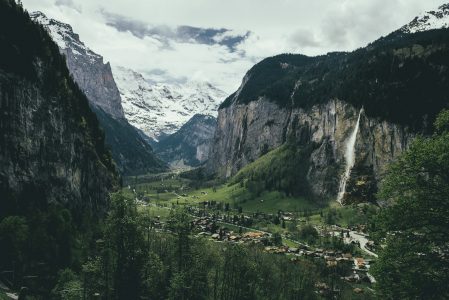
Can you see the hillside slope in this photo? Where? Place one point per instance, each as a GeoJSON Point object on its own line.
{"type": "Point", "coordinates": [131, 153]}
{"type": "Point", "coordinates": [396, 85]}
{"type": "Point", "coordinates": [190, 145]}
{"type": "Point", "coordinates": [51, 147]}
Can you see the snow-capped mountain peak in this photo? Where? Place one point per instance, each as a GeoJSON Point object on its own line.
{"type": "Point", "coordinates": [64, 36]}
{"type": "Point", "coordinates": [430, 20]}
{"type": "Point", "coordinates": [161, 108]}
{"type": "Point", "coordinates": [87, 68]}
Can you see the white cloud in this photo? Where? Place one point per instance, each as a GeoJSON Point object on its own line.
{"type": "Point", "coordinates": [276, 26]}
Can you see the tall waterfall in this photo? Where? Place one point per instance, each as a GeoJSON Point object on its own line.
{"type": "Point", "coordinates": [350, 160]}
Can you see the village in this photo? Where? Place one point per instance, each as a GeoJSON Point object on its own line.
{"type": "Point", "coordinates": [220, 223]}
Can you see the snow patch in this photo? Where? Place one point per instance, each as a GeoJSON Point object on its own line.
{"type": "Point", "coordinates": [428, 21]}
{"type": "Point", "coordinates": [159, 109]}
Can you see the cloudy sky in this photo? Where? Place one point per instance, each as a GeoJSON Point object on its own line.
{"type": "Point", "coordinates": [217, 40]}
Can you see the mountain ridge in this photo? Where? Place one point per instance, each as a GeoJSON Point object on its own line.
{"type": "Point", "coordinates": [161, 109]}
{"type": "Point", "coordinates": [52, 149]}
{"type": "Point", "coordinates": [96, 80]}
{"type": "Point", "coordinates": [190, 145]}
{"type": "Point", "coordinates": [400, 81]}
{"type": "Point", "coordinates": [87, 67]}
{"type": "Point", "coordinates": [435, 19]}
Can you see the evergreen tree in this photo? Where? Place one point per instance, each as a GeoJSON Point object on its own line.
{"type": "Point", "coordinates": [415, 262]}
{"type": "Point", "coordinates": [125, 238]}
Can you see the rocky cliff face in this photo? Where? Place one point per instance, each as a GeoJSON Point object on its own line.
{"type": "Point", "coordinates": [190, 145]}
{"type": "Point", "coordinates": [130, 151]}
{"type": "Point", "coordinates": [400, 81]}
{"type": "Point", "coordinates": [47, 153]}
{"type": "Point", "coordinates": [87, 68]}
{"type": "Point", "coordinates": [245, 132]}
{"type": "Point", "coordinates": [162, 109]}
{"type": "Point", "coordinates": [51, 147]}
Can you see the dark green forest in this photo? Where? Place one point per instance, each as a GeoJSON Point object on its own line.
{"type": "Point", "coordinates": [109, 248]}
{"type": "Point", "coordinates": [132, 154]}
{"type": "Point", "coordinates": [402, 78]}
{"type": "Point", "coordinates": [43, 226]}
{"type": "Point", "coordinates": [134, 260]}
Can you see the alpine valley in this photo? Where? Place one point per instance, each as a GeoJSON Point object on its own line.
{"type": "Point", "coordinates": [320, 177]}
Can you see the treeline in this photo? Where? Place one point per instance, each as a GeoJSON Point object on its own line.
{"type": "Point", "coordinates": [414, 261]}
{"type": "Point", "coordinates": [132, 260]}
{"type": "Point", "coordinates": [402, 78]}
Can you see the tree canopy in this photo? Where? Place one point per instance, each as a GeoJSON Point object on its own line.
{"type": "Point", "coordinates": [415, 261]}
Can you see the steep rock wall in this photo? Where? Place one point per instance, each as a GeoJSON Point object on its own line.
{"type": "Point", "coordinates": [48, 152]}
{"type": "Point", "coordinates": [190, 145]}
{"type": "Point", "coordinates": [245, 132]}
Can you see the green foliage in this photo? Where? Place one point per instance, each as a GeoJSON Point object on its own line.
{"type": "Point", "coordinates": [42, 243]}
{"type": "Point", "coordinates": [125, 143]}
{"type": "Point", "coordinates": [173, 265]}
{"type": "Point", "coordinates": [331, 217]}
{"type": "Point", "coordinates": [308, 233]}
{"type": "Point", "coordinates": [415, 262]}
{"type": "Point", "coordinates": [400, 78]}
{"type": "Point", "coordinates": [180, 224]}
{"type": "Point", "coordinates": [124, 236]}
{"type": "Point", "coordinates": [68, 286]}
{"type": "Point", "coordinates": [277, 239]}
{"type": "Point", "coordinates": [154, 277]}
{"type": "Point", "coordinates": [283, 169]}
{"type": "Point", "coordinates": [442, 122]}
{"type": "Point", "coordinates": [270, 78]}
{"type": "Point", "coordinates": [14, 233]}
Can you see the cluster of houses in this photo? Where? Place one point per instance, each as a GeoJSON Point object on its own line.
{"type": "Point", "coordinates": [208, 227]}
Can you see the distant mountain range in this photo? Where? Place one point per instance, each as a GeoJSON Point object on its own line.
{"type": "Point", "coordinates": [161, 109]}
{"type": "Point", "coordinates": [190, 145]}
{"type": "Point", "coordinates": [131, 152]}
{"type": "Point", "coordinates": [133, 111]}
{"type": "Point", "coordinates": [304, 110]}
{"type": "Point", "coordinates": [436, 19]}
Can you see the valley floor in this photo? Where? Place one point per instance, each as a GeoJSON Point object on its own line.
{"type": "Point", "coordinates": [292, 226]}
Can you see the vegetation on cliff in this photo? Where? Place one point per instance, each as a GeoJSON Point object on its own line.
{"type": "Point", "coordinates": [55, 171]}
{"type": "Point", "coordinates": [283, 169]}
{"type": "Point", "coordinates": [402, 78]}
{"type": "Point", "coordinates": [415, 262]}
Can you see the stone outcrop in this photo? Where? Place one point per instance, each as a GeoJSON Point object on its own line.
{"type": "Point", "coordinates": [132, 154]}
{"type": "Point", "coordinates": [190, 145]}
{"type": "Point", "coordinates": [397, 85]}
{"type": "Point", "coordinates": [245, 132]}
{"type": "Point", "coordinates": [87, 68]}
{"type": "Point", "coordinates": [48, 153]}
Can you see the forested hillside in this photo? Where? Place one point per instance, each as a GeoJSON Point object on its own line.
{"type": "Point", "coordinates": [55, 171]}
{"type": "Point", "coordinates": [400, 78]}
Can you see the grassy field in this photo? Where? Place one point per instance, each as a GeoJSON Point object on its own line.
{"type": "Point", "coordinates": [154, 211]}
{"type": "Point", "coordinates": [175, 191]}
{"type": "Point", "coordinates": [171, 191]}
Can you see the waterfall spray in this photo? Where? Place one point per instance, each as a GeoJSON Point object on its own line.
{"type": "Point", "coordinates": [350, 160]}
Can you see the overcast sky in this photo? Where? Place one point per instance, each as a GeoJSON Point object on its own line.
{"type": "Point", "coordinates": [167, 40]}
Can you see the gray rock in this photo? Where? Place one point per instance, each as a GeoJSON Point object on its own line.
{"type": "Point", "coordinates": [245, 132]}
